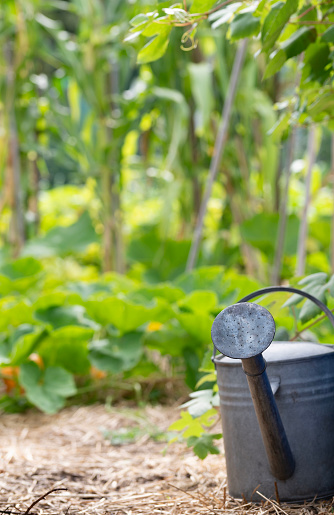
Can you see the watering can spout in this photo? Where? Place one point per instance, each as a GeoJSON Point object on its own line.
{"type": "Point", "coordinates": [280, 457]}
{"type": "Point", "coordinates": [243, 331]}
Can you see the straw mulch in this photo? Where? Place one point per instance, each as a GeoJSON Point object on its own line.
{"type": "Point", "coordinates": [39, 453]}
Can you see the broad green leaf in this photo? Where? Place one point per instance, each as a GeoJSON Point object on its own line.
{"type": "Point", "coordinates": [261, 232]}
{"type": "Point", "coordinates": [299, 41]}
{"type": "Point", "coordinates": [201, 6]}
{"type": "Point", "coordinates": [118, 283]}
{"type": "Point", "coordinates": [67, 347]}
{"type": "Point", "coordinates": [139, 19]}
{"type": "Point", "coordinates": [26, 345]}
{"type": "Point", "coordinates": [104, 356]}
{"type": "Point", "coordinates": [59, 316]}
{"type": "Point", "coordinates": [328, 35]}
{"type": "Point", "coordinates": [308, 284]}
{"type": "Point", "coordinates": [322, 107]}
{"type": "Point", "coordinates": [165, 291]}
{"type": "Point", "coordinates": [155, 48]}
{"type": "Point", "coordinates": [56, 298]}
{"type": "Point", "coordinates": [280, 126]}
{"type": "Point", "coordinates": [197, 325]}
{"type": "Point", "coordinates": [46, 390]}
{"type": "Point", "coordinates": [29, 375]}
{"type": "Point", "coordinates": [205, 278]}
{"type": "Point", "coordinates": [223, 15]}
{"type": "Point", "coordinates": [244, 25]}
{"type": "Point", "coordinates": [126, 315]}
{"type": "Point", "coordinates": [63, 240]}
{"type": "Point", "coordinates": [192, 362]}
{"type": "Point", "coordinates": [58, 381]}
{"type": "Point", "coordinates": [15, 313]}
{"type": "Point", "coordinates": [317, 57]}
{"type": "Point", "coordinates": [200, 301]}
{"type": "Point", "coordinates": [276, 61]}
{"type": "Point", "coordinates": [117, 354]}
{"type": "Point", "coordinates": [20, 275]}
{"type": "Point", "coordinates": [309, 310]}
{"type": "Point", "coordinates": [46, 401]}
{"type": "Point", "coordinates": [193, 426]}
{"type": "Point", "coordinates": [155, 29]}
{"type": "Point", "coordinates": [170, 340]}
{"type": "Point", "coordinates": [203, 445]}
{"type": "Point", "coordinates": [275, 22]}
{"type": "Point", "coordinates": [164, 258]}
{"type": "Point", "coordinates": [207, 378]}
{"type": "Point", "coordinates": [21, 268]}
{"type": "Point", "coordinates": [207, 365]}
{"type": "Point", "coordinates": [293, 46]}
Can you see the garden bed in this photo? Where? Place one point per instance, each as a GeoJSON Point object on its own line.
{"type": "Point", "coordinates": [69, 450]}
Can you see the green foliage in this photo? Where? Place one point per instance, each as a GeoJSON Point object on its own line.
{"type": "Point", "coordinates": [68, 326]}
{"type": "Point", "coordinates": [193, 430]}
{"type": "Point", "coordinates": [203, 445]}
{"type": "Point", "coordinates": [61, 241]}
{"type": "Point", "coordinates": [245, 25]}
{"type": "Point", "coordinates": [131, 146]}
{"type": "Point", "coordinates": [287, 29]}
{"type": "Point", "coordinates": [46, 390]}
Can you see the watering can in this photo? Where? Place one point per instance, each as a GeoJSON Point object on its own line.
{"type": "Point", "coordinates": [277, 408]}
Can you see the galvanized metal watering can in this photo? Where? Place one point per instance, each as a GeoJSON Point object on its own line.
{"type": "Point", "coordinates": [277, 409]}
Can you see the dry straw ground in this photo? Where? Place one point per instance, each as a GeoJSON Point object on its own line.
{"type": "Point", "coordinates": [68, 450]}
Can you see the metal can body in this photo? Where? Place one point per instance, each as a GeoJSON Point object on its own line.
{"type": "Point", "coordinates": [303, 383]}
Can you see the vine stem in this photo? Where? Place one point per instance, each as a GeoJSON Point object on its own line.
{"type": "Point", "coordinates": [197, 16]}
{"type": "Point", "coordinates": [320, 319]}
{"type": "Point", "coordinates": [324, 22]}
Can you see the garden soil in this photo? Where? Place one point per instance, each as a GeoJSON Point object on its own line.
{"type": "Point", "coordinates": [69, 450]}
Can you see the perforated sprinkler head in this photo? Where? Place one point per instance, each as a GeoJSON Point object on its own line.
{"type": "Point", "coordinates": [243, 330]}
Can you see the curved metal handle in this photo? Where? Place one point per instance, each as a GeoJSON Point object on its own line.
{"type": "Point", "coordinates": [288, 289]}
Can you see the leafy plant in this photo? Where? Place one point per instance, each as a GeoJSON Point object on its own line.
{"type": "Point", "coordinates": [53, 331]}
{"type": "Point", "coordinates": [286, 29]}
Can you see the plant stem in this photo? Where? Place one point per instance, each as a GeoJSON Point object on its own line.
{"type": "Point", "coordinates": [301, 252]}
{"type": "Point", "coordinates": [320, 319]}
{"type": "Point", "coordinates": [217, 153]}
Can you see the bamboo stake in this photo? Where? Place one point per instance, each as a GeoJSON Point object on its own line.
{"type": "Point", "coordinates": [332, 229]}
{"type": "Point", "coordinates": [283, 214]}
{"type": "Point", "coordinates": [301, 252]}
{"type": "Point", "coordinates": [217, 153]}
{"type": "Point", "coordinates": [17, 235]}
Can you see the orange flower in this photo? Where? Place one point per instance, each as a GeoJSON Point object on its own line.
{"type": "Point", "coordinates": [97, 374]}
{"type": "Point", "coordinates": [36, 358]}
{"type": "Point", "coordinates": [9, 377]}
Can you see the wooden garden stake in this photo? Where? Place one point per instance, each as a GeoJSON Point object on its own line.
{"type": "Point", "coordinates": [217, 153]}
{"type": "Point", "coordinates": [283, 214]}
{"type": "Point", "coordinates": [301, 251]}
